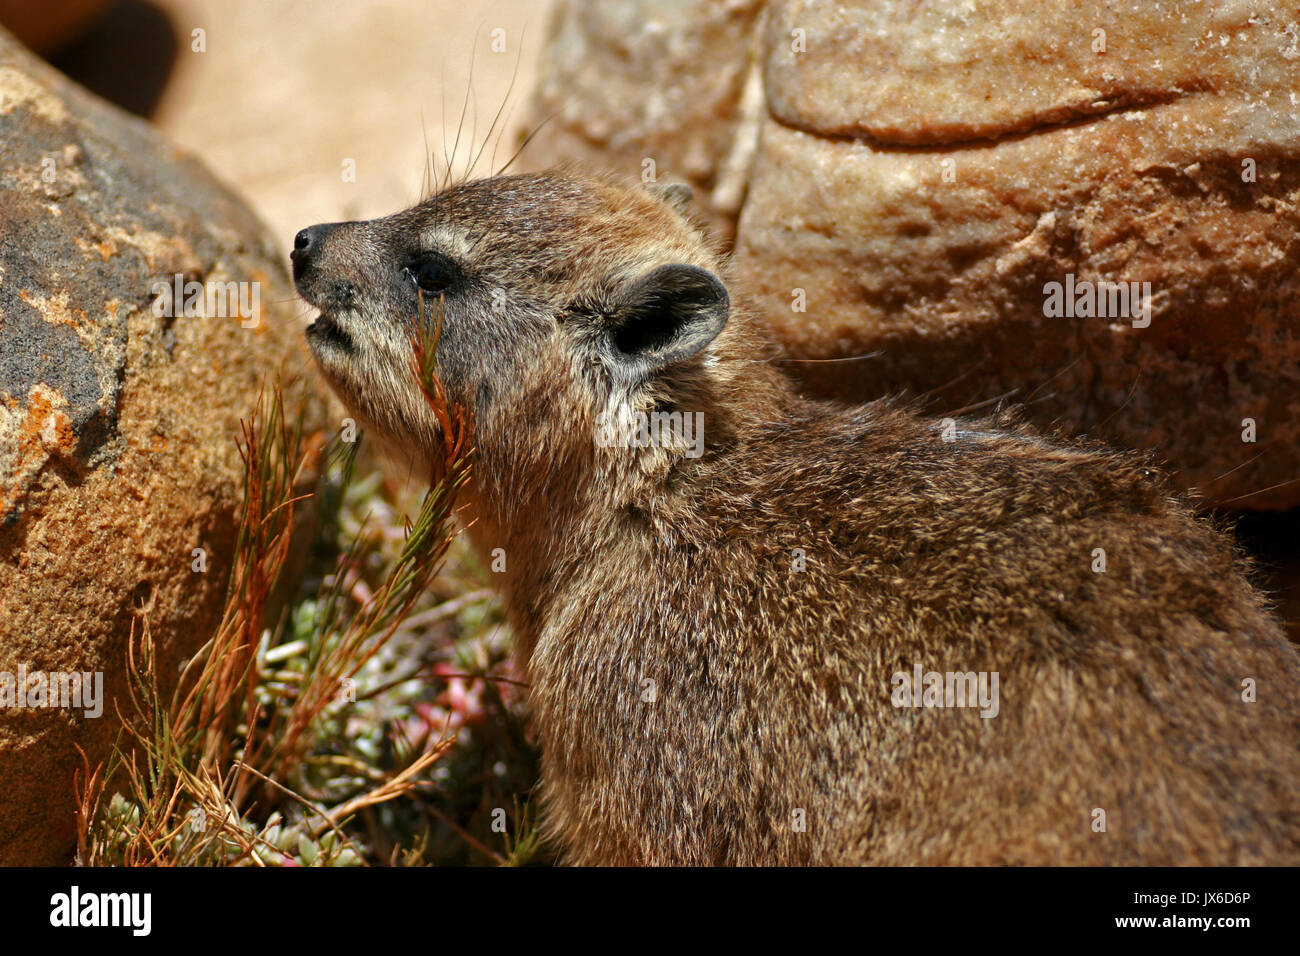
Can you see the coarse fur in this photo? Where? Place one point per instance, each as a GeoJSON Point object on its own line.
{"type": "Point", "coordinates": [711, 641]}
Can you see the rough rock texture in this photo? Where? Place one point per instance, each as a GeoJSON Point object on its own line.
{"type": "Point", "coordinates": [117, 427]}
{"type": "Point", "coordinates": [638, 80]}
{"type": "Point", "coordinates": [923, 170]}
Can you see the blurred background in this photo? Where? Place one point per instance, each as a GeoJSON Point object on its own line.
{"type": "Point", "coordinates": [287, 90]}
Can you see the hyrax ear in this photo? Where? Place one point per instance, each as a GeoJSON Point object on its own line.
{"type": "Point", "coordinates": [667, 316]}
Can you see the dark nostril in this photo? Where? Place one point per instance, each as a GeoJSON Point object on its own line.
{"type": "Point", "coordinates": [302, 244]}
{"type": "Point", "coordinates": [309, 242]}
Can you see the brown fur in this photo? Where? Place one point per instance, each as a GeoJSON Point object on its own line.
{"type": "Point", "coordinates": [772, 686]}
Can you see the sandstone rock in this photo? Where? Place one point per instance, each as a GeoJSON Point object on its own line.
{"type": "Point", "coordinates": [641, 81]}
{"type": "Point", "coordinates": [901, 72]}
{"type": "Point", "coordinates": [924, 171]}
{"type": "Point", "coordinates": [117, 426]}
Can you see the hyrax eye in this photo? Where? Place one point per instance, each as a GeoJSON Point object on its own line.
{"type": "Point", "coordinates": [433, 275]}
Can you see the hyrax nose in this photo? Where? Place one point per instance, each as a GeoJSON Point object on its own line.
{"type": "Point", "coordinates": [306, 246]}
{"type": "Point", "coordinates": [309, 240]}
{"type": "Point", "coordinates": [306, 242]}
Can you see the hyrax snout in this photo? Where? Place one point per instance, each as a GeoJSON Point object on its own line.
{"type": "Point", "coordinates": [761, 629]}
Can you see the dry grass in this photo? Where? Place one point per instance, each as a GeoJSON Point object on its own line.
{"type": "Point", "coordinates": [373, 720]}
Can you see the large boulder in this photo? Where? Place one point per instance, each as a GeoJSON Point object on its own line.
{"type": "Point", "coordinates": [937, 177]}
{"type": "Point", "coordinates": [118, 425]}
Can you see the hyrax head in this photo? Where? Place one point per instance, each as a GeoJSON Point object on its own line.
{"type": "Point", "coordinates": [559, 296]}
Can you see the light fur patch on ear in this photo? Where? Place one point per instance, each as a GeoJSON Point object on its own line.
{"type": "Point", "coordinates": [676, 195]}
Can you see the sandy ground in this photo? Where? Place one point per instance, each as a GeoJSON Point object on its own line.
{"type": "Point", "coordinates": [289, 90]}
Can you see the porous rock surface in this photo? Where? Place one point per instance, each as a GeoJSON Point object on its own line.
{"type": "Point", "coordinates": [923, 171]}
{"type": "Point", "coordinates": [118, 427]}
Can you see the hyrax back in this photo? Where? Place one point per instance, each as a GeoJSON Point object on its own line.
{"type": "Point", "coordinates": [722, 637]}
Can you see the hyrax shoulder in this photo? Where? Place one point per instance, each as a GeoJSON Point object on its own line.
{"type": "Point", "coordinates": [760, 629]}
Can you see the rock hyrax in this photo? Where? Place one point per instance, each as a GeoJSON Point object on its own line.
{"type": "Point", "coordinates": [821, 634]}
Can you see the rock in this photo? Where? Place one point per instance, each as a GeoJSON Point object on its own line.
{"type": "Point", "coordinates": [925, 172]}
{"type": "Point", "coordinates": [118, 427]}
{"type": "Point", "coordinates": [47, 25]}
{"type": "Point", "coordinates": [906, 73]}
{"type": "Point", "coordinates": [653, 88]}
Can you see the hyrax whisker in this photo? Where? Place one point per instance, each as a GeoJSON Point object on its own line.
{"type": "Point", "coordinates": [1260, 491]}
{"type": "Point", "coordinates": [426, 181]}
{"type": "Point", "coordinates": [995, 400]}
{"type": "Point", "coordinates": [464, 107]}
{"type": "Point", "coordinates": [1123, 405]}
{"type": "Point", "coordinates": [523, 143]}
{"type": "Point", "coordinates": [1065, 367]}
{"type": "Point", "coordinates": [501, 108]}
{"type": "Point", "coordinates": [1244, 464]}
